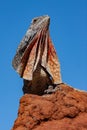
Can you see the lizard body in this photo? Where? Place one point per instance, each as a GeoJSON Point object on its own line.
{"type": "Point", "coordinates": [36, 60]}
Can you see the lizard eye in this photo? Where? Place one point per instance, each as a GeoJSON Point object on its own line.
{"type": "Point", "coordinates": [34, 20]}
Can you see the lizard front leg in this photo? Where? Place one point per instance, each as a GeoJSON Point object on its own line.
{"type": "Point", "coordinates": [53, 88]}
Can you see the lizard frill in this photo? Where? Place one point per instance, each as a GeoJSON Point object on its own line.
{"type": "Point", "coordinates": [37, 51]}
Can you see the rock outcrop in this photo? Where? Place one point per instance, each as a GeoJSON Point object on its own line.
{"type": "Point", "coordinates": [66, 109]}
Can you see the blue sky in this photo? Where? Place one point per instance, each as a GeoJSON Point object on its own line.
{"type": "Point", "coordinates": [68, 30]}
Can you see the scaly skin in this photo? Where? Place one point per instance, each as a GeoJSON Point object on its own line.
{"type": "Point", "coordinates": [36, 60]}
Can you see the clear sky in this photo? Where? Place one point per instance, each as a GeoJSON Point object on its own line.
{"type": "Point", "coordinates": [68, 30]}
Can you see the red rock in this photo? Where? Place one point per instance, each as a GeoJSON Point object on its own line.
{"type": "Point", "coordinates": [66, 109]}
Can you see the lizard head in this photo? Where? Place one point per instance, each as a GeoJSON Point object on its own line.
{"type": "Point", "coordinates": [40, 23]}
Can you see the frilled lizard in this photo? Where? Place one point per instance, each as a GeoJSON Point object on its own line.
{"type": "Point", "coordinates": [36, 60]}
